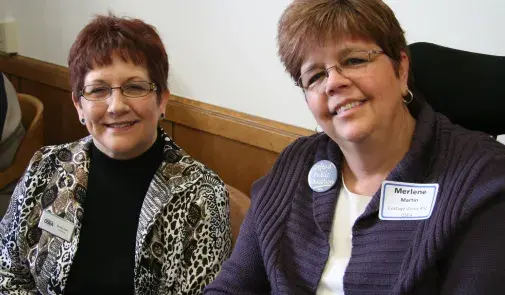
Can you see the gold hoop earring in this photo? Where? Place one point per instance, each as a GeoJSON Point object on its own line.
{"type": "Point", "coordinates": [409, 97]}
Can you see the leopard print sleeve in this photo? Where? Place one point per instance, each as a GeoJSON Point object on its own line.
{"type": "Point", "coordinates": [211, 243]}
{"type": "Point", "coordinates": [15, 276]}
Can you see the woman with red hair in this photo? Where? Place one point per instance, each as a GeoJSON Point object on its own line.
{"type": "Point", "coordinates": [124, 210]}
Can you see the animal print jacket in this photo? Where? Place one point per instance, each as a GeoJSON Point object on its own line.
{"type": "Point", "coordinates": [183, 233]}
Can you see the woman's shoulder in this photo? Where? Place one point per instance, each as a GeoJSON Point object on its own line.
{"type": "Point", "coordinates": [464, 143]}
{"type": "Point", "coordinates": [290, 163]}
{"type": "Point", "coordinates": [179, 168]}
{"type": "Point", "coordinates": [473, 164]}
{"type": "Point", "coordinates": [64, 152]}
{"type": "Point", "coordinates": [303, 146]}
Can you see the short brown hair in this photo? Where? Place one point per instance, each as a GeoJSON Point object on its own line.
{"type": "Point", "coordinates": [132, 40]}
{"type": "Point", "coordinates": [306, 24]}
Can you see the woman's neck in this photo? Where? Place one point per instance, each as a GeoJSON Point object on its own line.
{"type": "Point", "coordinates": [367, 164]}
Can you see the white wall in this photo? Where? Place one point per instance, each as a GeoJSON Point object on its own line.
{"type": "Point", "coordinates": [465, 24]}
{"type": "Point", "coordinates": [223, 52]}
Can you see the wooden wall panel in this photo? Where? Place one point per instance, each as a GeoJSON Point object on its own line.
{"type": "Point", "coordinates": [167, 127]}
{"type": "Point", "coordinates": [237, 163]}
{"type": "Point", "coordinates": [61, 123]}
{"type": "Point", "coordinates": [255, 131]}
{"type": "Point", "coordinates": [36, 70]}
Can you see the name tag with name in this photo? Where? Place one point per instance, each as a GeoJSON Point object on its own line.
{"type": "Point", "coordinates": [407, 201]}
{"type": "Point", "coordinates": [56, 225]}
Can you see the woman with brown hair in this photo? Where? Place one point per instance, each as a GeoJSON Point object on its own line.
{"type": "Point", "coordinates": [124, 210]}
{"type": "Point", "coordinates": [391, 198]}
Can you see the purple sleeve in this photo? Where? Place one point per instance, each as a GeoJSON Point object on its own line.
{"type": "Point", "coordinates": [476, 263]}
{"type": "Point", "coordinates": [244, 272]}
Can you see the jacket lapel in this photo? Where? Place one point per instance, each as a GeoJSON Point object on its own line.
{"type": "Point", "coordinates": [69, 185]}
{"type": "Point", "coordinates": [415, 165]}
{"type": "Point", "coordinates": [323, 203]}
{"type": "Point", "coordinates": [170, 179]}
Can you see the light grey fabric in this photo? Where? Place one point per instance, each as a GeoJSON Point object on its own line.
{"type": "Point", "coordinates": [13, 131]}
{"type": "Point", "coordinates": [9, 147]}
{"type": "Point", "coordinates": [5, 197]}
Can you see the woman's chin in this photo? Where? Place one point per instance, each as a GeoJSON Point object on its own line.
{"type": "Point", "coordinates": [354, 134]}
{"type": "Point", "coordinates": [355, 129]}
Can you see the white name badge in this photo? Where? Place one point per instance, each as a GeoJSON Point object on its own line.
{"type": "Point", "coordinates": [407, 201]}
{"type": "Point", "coordinates": [56, 225]}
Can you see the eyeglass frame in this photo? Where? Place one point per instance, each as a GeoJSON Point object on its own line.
{"type": "Point", "coordinates": [152, 85]}
{"type": "Point", "coordinates": [337, 66]}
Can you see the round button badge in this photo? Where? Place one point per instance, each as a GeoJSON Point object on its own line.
{"type": "Point", "coordinates": [322, 176]}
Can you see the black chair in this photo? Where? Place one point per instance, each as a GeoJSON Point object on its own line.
{"type": "Point", "coordinates": [467, 87]}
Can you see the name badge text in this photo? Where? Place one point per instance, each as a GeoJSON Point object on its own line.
{"type": "Point", "coordinates": [407, 201]}
{"type": "Point", "coordinates": [56, 225]}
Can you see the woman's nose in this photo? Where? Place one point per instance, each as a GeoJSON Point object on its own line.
{"type": "Point", "coordinates": [335, 81]}
{"type": "Point", "coordinates": [117, 102]}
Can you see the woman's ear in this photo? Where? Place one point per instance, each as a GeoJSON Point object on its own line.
{"type": "Point", "coordinates": [404, 67]}
{"type": "Point", "coordinates": [165, 96]}
{"type": "Point", "coordinates": [77, 105]}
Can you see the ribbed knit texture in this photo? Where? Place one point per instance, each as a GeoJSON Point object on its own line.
{"type": "Point", "coordinates": [283, 245]}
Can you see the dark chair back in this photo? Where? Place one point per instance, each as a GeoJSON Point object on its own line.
{"type": "Point", "coordinates": [467, 87]}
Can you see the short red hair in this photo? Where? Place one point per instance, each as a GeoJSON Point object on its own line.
{"type": "Point", "coordinates": [130, 39]}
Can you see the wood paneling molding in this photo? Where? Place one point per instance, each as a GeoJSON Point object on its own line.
{"type": "Point", "coordinates": [39, 71]}
{"type": "Point", "coordinates": [252, 130]}
{"type": "Point", "coordinates": [237, 163]}
{"type": "Point", "coordinates": [255, 131]}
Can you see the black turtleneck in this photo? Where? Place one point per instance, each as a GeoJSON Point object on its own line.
{"type": "Point", "coordinates": [106, 251]}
